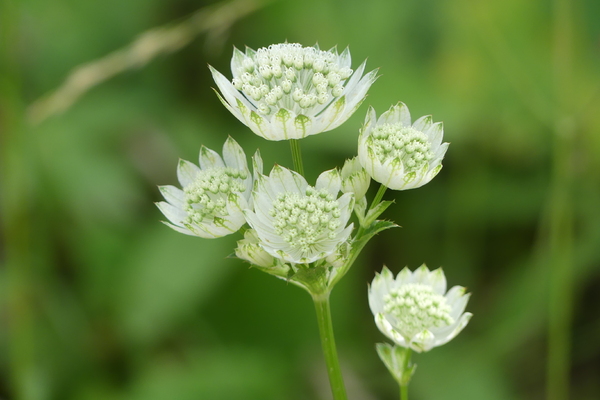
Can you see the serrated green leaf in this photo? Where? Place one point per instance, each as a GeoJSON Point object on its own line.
{"type": "Point", "coordinates": [376, 212]}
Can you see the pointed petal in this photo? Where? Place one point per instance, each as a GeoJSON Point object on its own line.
{"type": "Point", "coordinates": [437, 279]}
{"type": "Point", "coordinates": [283, 122]}
{"type": "Point", "coordinates": [233, 155]}
{"type": "Point", "coordinates": [329, 180]}
{"type": "Point", "coordinates": [187, 172]}
{"type": "Point", "coordinates": [388, 330]}
{"type": "Point", "coordinates": [391, 116]}
{"type": "Point", "coordinates": [345, 60]}
{"type": "Point", "coordinates": [331, 117]}
{"type": "Point", "coordinates": [180, 229]}
{"type": "Point", "coordinates": [173, 214]}
{"type": "Point", "coordinates": [456, 329]}
{"type": "Point", "coordinates": [423, 124]}
{"type": "Point", "coordinates": [210, 159]}
{"type": "Point", "coordinates": [230, 93]}
{"type": "Point", "coordinates": [421, 275]}
{"type": "Point", "coordinates": [259, 125]}
{"type": "Point", "coordinates": [285, 181]}
{"type": "Point", "coordinates": [237, 112]}
{"type": "Point", "coordinates": [356, 76]}
{"type": "Point", "coordinates": [404, 114]}
{"type": "Point", "coordinates": [303, 126]}
{"type": "Point", "coordinates": [404, 277]}
{"type": "Point", "coordinates": [455, 293]}
{"type": "Point", "coordinates": [458, 306]}
{"type": "Point", "coordinates": [237, 62]}
{"type": "Point", "coordinates": [172, 195]}
{"type": "Point", "coordinates": [423, 341]}
{"type": "Point", "coordinates": [257, 164]}
{"type": "Point", "coordinates": [436, 134]}
{"type": "Point", "coordinates": [356, 94]}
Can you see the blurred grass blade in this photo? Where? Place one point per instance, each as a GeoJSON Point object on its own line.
{"type": "Point", "coordinates": [214, 20]}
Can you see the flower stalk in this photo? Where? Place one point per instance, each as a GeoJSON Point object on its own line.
{"type": "Point", "coordinates": [297, 156]}
{"type": "Point", "coordinates": [404, 384]}
{"type": "Point", "coordinates": [404, 392]}
{"type": "Point", "coordinates": [334, 371]}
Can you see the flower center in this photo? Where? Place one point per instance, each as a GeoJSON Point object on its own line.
{"type": "Point", "coordinates": [304, 220]}
{"type": "Point", "coordinates": [207, 195]}
{"type": "Point", "coordinates": [290, 76]}
{"type": "Point", "coordinates": [394, 141]}
{"type": "Point", "coordinates": [413, 307]}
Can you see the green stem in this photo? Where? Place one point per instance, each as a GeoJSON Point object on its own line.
{"type": "Point", "coordinates": [378, 197]}
{"type": "Point", "coordinates": [376, 200]}
{"type": "Point", "coordinates": [359, 234]}
{"type": "Point", "coordinates": [405, 378]}
{"type": "Point", "coordinates": [297, 156]}
{"type": "Point", "coordinates": [404, 392]}
{"type": "Point", "coordinates": [328, 343]}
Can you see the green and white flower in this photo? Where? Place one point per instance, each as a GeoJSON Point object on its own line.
{"type": "Point", "coordinates": [298, 223]}
{"type": "Point", "coordinates": [398, 154]}
{"type": "Point", "coordinates": [414, 309]}
{"type": "Point", "coordinates": [286, 91]}
{"type": "Point", "coordinates": [214, 195]}
{"type": "Point", "coordinates": [355, 178]}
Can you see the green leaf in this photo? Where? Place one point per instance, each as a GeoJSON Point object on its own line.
{"type": "Point", "coordinates": [376, 227]}
{"type": "Point", "coordinates": [397, 361]}
{"type": "Point", "coordinates": [376, 212]}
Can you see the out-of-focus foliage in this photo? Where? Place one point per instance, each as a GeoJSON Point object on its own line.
{"type": "Point", "coordinates": [101, 301]}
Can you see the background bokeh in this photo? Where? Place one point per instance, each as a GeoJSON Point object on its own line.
{"type": "Point", "coordinates": [99, 300]}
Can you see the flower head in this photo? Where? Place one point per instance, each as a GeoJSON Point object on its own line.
{"type": "Point", "coordinates": [298, 223]}
{"type": "Point", "coordinates": [414, 309]}
{"type": "Point", "coordinates": [212, 197]}
{"type": "Point", "coordinates": [398, 154]}
{"type": "Point", "coordinates": [286, 91]}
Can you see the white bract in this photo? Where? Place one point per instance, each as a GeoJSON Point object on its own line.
{"type": "Point", "coordinates": [414, 309]}
{"type": "Point", "coordinates": [298, 223]}
{"type": "Point", "coordinates": [213, 196]}
{"type": "Point", "coordinates": [249, 249]}
{"type": "Point", "coordinates": [398, 154]}
{"type": "Point", "coordinates": [355, 179]}
{"type": "Point", "coordinates": [286, 91]}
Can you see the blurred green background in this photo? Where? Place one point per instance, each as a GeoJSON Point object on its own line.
{"type": "Point", "coordinates": [99, 300]}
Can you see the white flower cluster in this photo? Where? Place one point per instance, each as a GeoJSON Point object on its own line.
{"type": "Point", "coordinates": [214, 195]}
{"type": "Point", "coordinates": [414, 309]}
{"type": "Point", "coordinates": [298, 223]}
{"type": "Point", "coordinates": [399, 154]}
{"type": "Point", "coordinates": [285, 69]}
{"type": "Point", "coordinates": [286, 91]}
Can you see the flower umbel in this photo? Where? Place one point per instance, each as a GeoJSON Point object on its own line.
{"type": "Point", "coordinates": [286, 91]}
{"type": "Point", "coordinates": [398, 154]}
{"type": "Point", "coordinates": [298, 223]}
{"type": "Point", "coordinates": [414, 309]}
{"type": "Point", "coordinates": [213, 196]}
